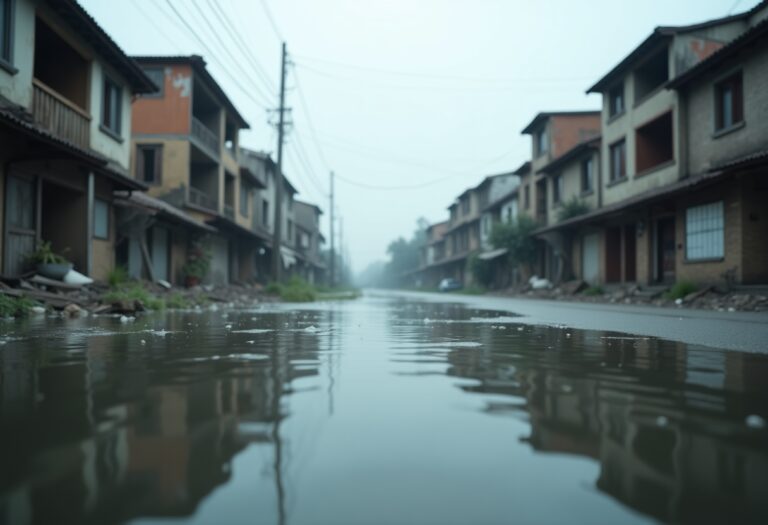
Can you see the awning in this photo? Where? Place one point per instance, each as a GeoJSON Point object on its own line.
{"type": "Point", "coordinates": [164, 209]}
{"type": "Point", "coordinates": [487, 256]}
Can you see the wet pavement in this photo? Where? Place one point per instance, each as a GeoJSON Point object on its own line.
{"type": "Point", "coordinates": [385, 410]}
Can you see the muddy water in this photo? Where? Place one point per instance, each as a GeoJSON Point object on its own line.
{"type": "Point", "coordinates": [374, 411]}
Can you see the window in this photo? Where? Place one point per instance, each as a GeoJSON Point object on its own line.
{"type": "Point", "coordinates": [542, 142]}
{"type": "Point", "coordinates": [654, 143]}
{"type": "Point", "coordinates": [465, 206]}
{"type": "Point", "coordinates": [704, 232]}
{"type": "Point", "coordinates": [290, 230]}
{"type": "Point", "coordinates": [618, 160]}
{"type": "Point", "coordinates": [6, 31]}
{"type": "Point", "coordinates": [112, 107]}
{"type": "Point", "coordinates": [157, 76]}
{"type": "Point", "coordinates": [245, 191]}
{"type": "Point", "coordinates": [486, 225]}
{"type": "Point", "coordinates": [149, 163]}
{"type": "Point", "coordinates": [729, 102]}
{"type": "Point", "coordinates": [304, 240]}
{"type": "Point", "coordinates": [587, 175]}
{"type": "Point", "coordinates": [652, 74]}
{"type": "Point", "coordinates": [557, 188]}
{"type": "Point", "coordinates": [265, 212]}
{"type": "Point", "coordinates": [527, 197]}
{"type": "Point", "coordinates": [100, 219]}
{"type": "Point", "coordinates": [616, 100]}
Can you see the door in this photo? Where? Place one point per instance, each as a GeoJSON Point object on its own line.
{"type": "Point", "coordinates": [630, 253]}
{"type": "Point", "coordinates": [219, 273]}
{"type": "Point", "coordinates": [20, 223]}
{"type": "Point", "coordinates": [665, 250]}
{"type": "Point", "coordinates": [590, 259]}
{"type": "Point", "coordinates": [613, 255]}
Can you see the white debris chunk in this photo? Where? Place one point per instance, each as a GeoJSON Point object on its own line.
{"type": "Point", "coordinates": [755, 421]}
{"type": "Point", "coordinates": [662, 421]}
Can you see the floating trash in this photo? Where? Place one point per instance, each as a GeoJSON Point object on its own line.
{"type": "Point", "coordinates": [755, 421]}
{"type": "Point", "coordinates": [662, 421]}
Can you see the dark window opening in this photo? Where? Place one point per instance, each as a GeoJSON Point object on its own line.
{"type": "Point", "coordinates": [245, 192]}
{"type": "Point", "coordinates": [654, 143]}
{"type": "Point", "coordinates": [230, 137]}
{"type": "Point", "coordinates": [527, 197]}
{"type": "Point", "coordinates": [652, 74]}
{"type": "Point", "coordinates": [587, 175]}
{"type": "Point", "coordinates": [616, 100]}
{"type": "Point", "coordinates": [265, 212]}
{"type": "Point", "coordinates": [111, 117]}
{"type": "Point", "coordinates": [157, 76]}
{"type": "Point", "coordinates": [60, 67]}
{"type": "Point", "coordinates": [149, 163]}
{"type": "Point", "coordinates": [618, 160]}
{"type": "Point", "coordinates": [729, 101]}
{"type": "Point", "coordinates": [6, 30]}
{"type": "Point", "coordinates": [557, 189]}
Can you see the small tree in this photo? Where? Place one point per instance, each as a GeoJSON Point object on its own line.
{"type": "Point", "coordinates": [517, 238]}
{"type": "Point", "coordinates": [481, 269]}
{"type": "Point", "coordinates": [572, 208]}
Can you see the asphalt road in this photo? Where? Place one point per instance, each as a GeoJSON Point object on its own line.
{"type": "Point", "coordinates": [743, 331]}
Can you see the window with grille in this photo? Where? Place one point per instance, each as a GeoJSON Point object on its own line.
{"type": "Point", "coordinates": [704, 232]}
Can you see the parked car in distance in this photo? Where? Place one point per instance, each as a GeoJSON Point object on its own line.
{"type": "Point", "coordinates": [447, 285]}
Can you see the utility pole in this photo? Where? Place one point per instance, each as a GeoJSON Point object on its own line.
{"type": "Point", "coordinates": [332, 274]}
{"type": "Point", "coordinates": [277, 263]}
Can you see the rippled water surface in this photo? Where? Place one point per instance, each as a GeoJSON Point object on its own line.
{"type": "Point", "coordinates": [380, 411]}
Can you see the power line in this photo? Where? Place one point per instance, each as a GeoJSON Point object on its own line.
{"type": "Point", "coordinates": [227, 51]}
{"type": "Point", "coordinates": [152, 22]}
{"type": "Point", "coordinates": [311, 124]}
{"type": "Point", "coordinates": [223, 17]}
{"type": "Point", "coordinates": [212, 55]}
{"type": "Point", "coordinates": [397, 188]}
{"type": "Point", "coordinates": [272, 20]}
{"type": "Point", "coordinates": [301, 151]}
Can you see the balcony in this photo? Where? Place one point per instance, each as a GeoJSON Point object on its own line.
{"type": "Point", "coordinates": [202, 200]}
{"type": "Point", "coordinates": [60, 116]}
{"type": "Point", "coordinates": [207, 139]}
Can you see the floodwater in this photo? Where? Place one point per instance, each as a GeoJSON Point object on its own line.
{"type": "Point", "coordinates": [376, 411]}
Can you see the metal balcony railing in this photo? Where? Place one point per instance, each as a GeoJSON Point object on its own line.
{"type": "Point", "coordinates": [207, 138]}
{"type": "Point", "coordinates": [202, 199]}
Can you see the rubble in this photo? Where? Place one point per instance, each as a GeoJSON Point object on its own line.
{"type": "Point", "coordinates": [709, 298]}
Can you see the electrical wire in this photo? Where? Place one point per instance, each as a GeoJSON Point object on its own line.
{"type": "Point", "coordinates": [310, 122]}
{"type": "Point", "coordinates": [272, 22]}
{"type": "Point", "coordinates": [212, 55]}
{"type": "Point", "coordinates": [224, 18]}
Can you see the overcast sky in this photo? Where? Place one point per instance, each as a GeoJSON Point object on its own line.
{"type": "Point", "coordinates": [400, 93]}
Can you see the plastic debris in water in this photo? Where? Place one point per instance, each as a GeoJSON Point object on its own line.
{"type": "Point", "coordinates": [520, 329]}
{"type": "Point", "coordinates": [250, 342]}
{"type": "Point", "coordinates": [126, 319]}
{"type": "Point", "coordinates": [143, 341]}
{"type": "Point", "coordinates": [662, 421]}
{"type": "Point", "coordinates": [228, 326]}
{"type": "Point", "coordinates": [37, 310]}
{"type": "Point", "coordinates": [755, 421]}
{"type": "Point", "coordinates": [310, 329]}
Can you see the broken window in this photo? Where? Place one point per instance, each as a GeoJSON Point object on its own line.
{"type": "Point", "coordinates": [652, 74]}
{"type": "Point", "coordinates": [618, 160]}
{"type": "Point", "coordinates": [654, 143]}
{"type": "Point", "coordinates": [729, 102]}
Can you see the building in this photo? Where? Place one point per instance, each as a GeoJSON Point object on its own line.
{"type": "Point", "coordinates": [553, 134]}
{"type": "Point", "coordinates": [185, 148]}
{"type": "Point", "coordinates": [65, 129]}
{"type": "Point", "coordinates": [309, 241]}
{"type": "Point", "coordinates": [682, 148]}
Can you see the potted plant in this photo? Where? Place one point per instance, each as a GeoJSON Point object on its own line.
{"type": "Point", "coordinates": [197, 265]}
{"type": "Point", "coordinates": [48, 263]}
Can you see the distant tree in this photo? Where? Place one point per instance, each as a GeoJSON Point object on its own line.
{"type": "Point", "coordinates": [404, 255]}
{"type": "Point", "coordinates": [517, 238]}
{"type": "Point", "coordinates": [481, 269]}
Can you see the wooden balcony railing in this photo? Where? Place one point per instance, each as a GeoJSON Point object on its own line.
{"type": "Point", "coordinates": [60, 116]}
{"type": "Point", "coordinates": [200, 198]}
{"type": "Point", "coordinates": [208, 139]}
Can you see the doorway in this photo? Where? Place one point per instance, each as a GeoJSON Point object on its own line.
{"type": "Point", "coordinates": [20, 223]}
{"type": "Point", "coordinates": [665, 250]}
{"type": "Point", "coordinates": [613, 255]}
{"type": "Point", "coordinates": [630, 253]}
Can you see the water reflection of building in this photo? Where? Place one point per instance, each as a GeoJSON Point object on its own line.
{"type": "Point", "coordinates": [664, 420]}
{"type": "Point", "coordinates": [113, 433]}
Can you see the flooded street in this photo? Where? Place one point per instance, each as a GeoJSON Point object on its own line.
{"type": "Point", "coordinates": [383, 410]}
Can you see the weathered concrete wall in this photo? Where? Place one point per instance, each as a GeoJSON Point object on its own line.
{"type": "Point", "coordinates": [571, 174]}
{"type": "Point", "coordinates": [170, 114]}
{"type": "Point", "coordinates": [18, 87]}
{"type": "Point", "coordinates": [708, 149]}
